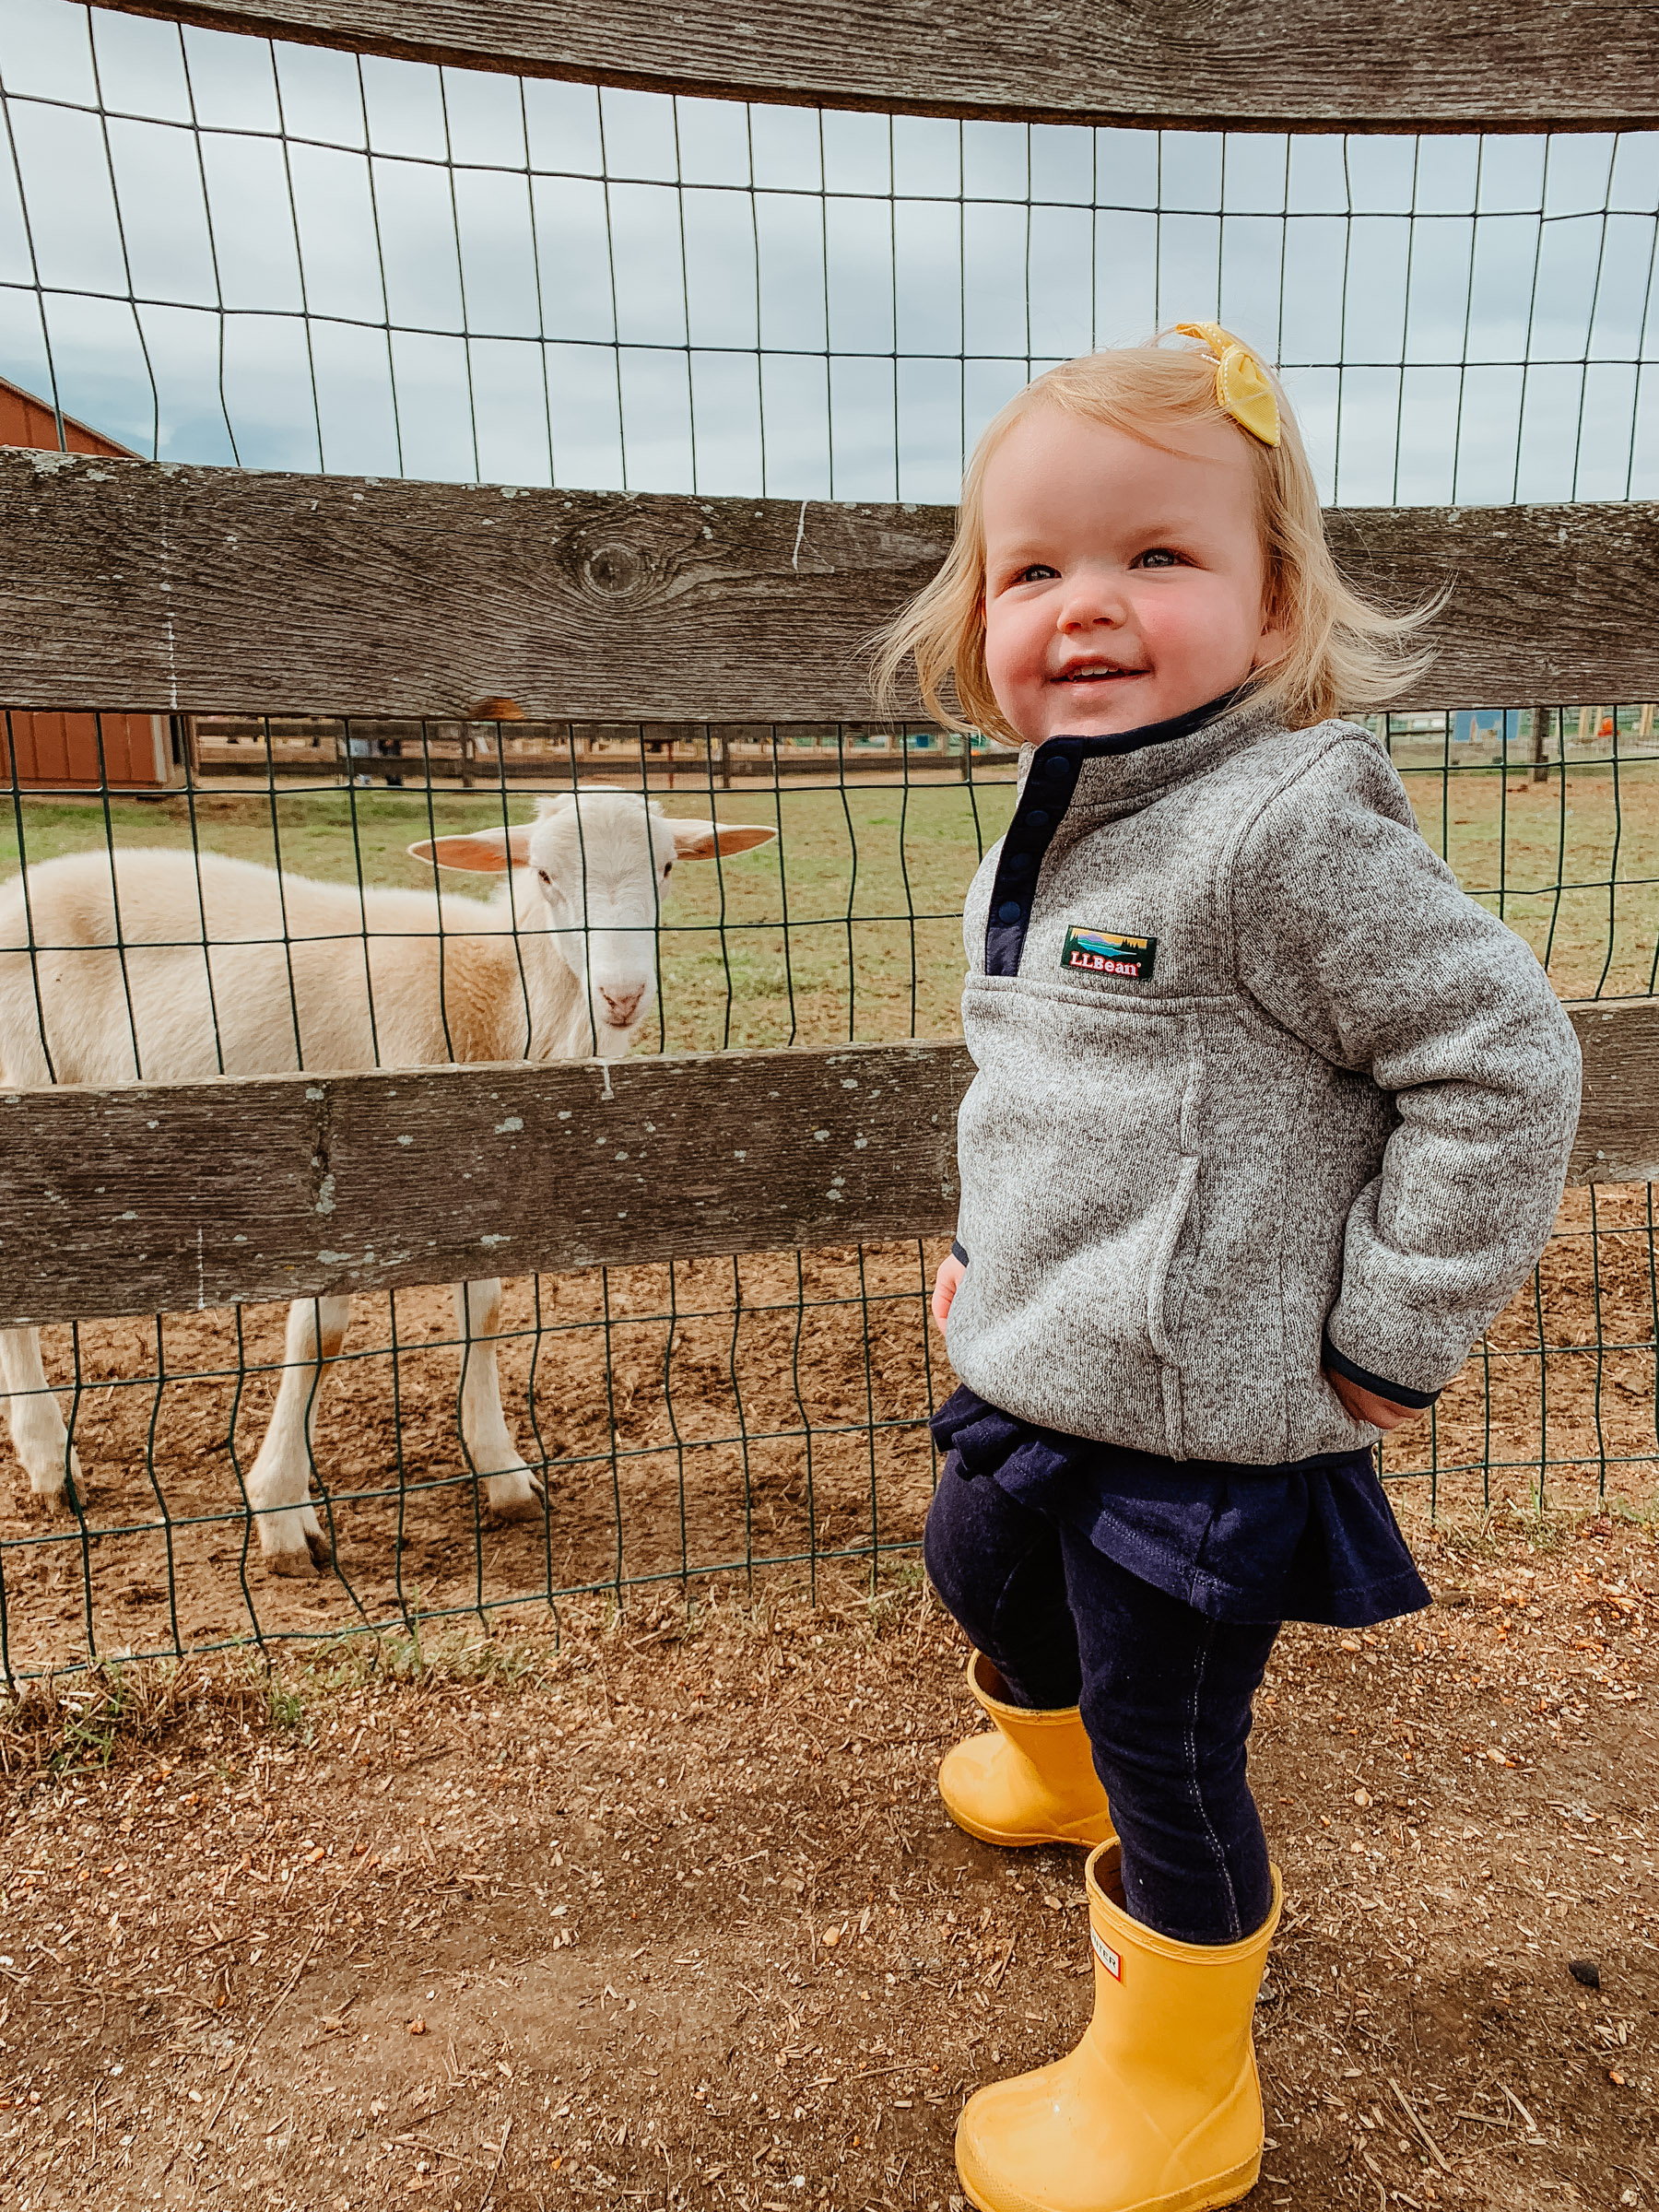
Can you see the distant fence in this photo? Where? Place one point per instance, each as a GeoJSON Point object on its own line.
{"type": "Point", "coordinates": [663, 756]}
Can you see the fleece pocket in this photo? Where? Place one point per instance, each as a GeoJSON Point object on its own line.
{"type": "Point", "coordinates": [1078, 1168]}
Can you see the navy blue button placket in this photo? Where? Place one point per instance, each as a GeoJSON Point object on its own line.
{"type": "Point", "coordinates": [1049, 790]}
{"type": "Point", "coordinates": [1042, 809]}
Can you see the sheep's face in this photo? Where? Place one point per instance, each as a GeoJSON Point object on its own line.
{"type": "Point", "coordinates": [598, 870]}
{"type": "Point", "coordinates": [603, 868]}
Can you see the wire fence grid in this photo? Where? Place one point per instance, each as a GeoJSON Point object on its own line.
{"type": "Point", "coordinates": [765, 1414]}
{"type": "Point", "coordinates": [223, 250]}
{"type": "Point", "coordinates": [218, 250]}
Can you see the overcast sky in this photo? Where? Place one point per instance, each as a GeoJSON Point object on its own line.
{"type": "Point", "coordinates": [289, 258]}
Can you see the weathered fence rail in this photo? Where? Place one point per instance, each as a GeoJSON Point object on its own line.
{"type": "Point", "coordinates": [160, 1197]}
{"type": "Point", "coordinates": [129, 584]}
{"type": "Point", "coordinates": [1315, 65]}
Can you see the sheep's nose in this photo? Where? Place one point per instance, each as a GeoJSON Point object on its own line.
{"type": "Point", "coordinates": [622, 1005]}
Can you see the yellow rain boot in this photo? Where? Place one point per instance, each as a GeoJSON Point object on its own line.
{"type": "Point", "coordinates": [1031, 1780]}
{"type": "Point", "coordinates": [1159, 2105]}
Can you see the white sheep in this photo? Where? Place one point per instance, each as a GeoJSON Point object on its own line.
{"type": "Point", "coordinates": [221, 967]}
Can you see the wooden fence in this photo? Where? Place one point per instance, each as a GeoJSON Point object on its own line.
{"type": "Point", "coordinates": [1260, 64]}
{"type": "Point", "coordinates": [179, 590]}
{"type": "Point", "coordinates": [663, 756]}
{"type": "Point", "coordinates": [158, 1197]}
{"type": "Point", "coordinates": [125, 583]}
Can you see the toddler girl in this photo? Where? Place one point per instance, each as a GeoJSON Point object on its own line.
{"type": "Point", "coordinates": [1269, 1121]}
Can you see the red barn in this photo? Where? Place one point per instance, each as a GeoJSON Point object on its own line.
{"type": "Point", "coordinates": [60, 752]}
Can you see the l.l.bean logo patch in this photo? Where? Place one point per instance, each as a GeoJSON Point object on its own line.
{"type": "Point", "coordinates": [1108, 952]}
{"type": "Point", "coordinates": [1107, 1957]}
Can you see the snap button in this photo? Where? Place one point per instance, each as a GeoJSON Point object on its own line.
{"type": "Point", "coordinates": [1009, 910]}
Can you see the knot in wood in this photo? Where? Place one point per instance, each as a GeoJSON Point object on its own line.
{"type": "Point", "coordinates": [614, 568]}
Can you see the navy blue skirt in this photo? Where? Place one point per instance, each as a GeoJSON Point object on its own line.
{"type": "Point", "coordinates": [1314, 1540]}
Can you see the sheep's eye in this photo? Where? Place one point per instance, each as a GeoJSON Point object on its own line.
{"type": "Point", "coordinates": [667, 867]}
{"type": "Point", "coordinates": [545, 877]}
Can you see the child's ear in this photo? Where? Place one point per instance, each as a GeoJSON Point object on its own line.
{"type": "Point", "coordinates": [1275, 640]}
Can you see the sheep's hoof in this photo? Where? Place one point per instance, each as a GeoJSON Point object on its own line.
{"type": "Point", "coordinates": [515, 1497]}
{"type": "Point", "coordinates": [298, 1563]}
{"type": "Point", "coordinates": [312, 1555]}
{"type": "Point", "coordinates": [57, 1491]}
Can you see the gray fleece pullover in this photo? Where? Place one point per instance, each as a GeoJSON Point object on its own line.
{"type": "Point", "coordinates": [1258, 1088]}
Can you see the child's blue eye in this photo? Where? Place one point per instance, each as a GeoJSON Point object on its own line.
{"type": "Point", "coordinates": [1158, 556]}
{"type": "Point", "coordinates": [1037, 572]}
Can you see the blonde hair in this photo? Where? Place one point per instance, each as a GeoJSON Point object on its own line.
{"type": "Point", "coordinates": [1342, 653]}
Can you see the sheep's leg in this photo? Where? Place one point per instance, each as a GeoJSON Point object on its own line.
{"type": "Point", "coordinates": [512, 1490]}
{"type": "Point", "coordinates": [38, 1436]}
{"type": "Point", "coordinates": [279, 1481]}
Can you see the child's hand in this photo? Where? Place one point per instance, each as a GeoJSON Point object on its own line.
{"type": "Point", "coordinates": [946, 1285]}
{"type": "Point", "coordinates": [1364, 1405]}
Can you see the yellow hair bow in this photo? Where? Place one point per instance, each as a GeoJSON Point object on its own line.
{"type": "Point", "coordinates": [1241, 389]}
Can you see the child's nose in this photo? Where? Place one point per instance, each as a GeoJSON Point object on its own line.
{"type": "Point", "coordinates": [1091, 603]}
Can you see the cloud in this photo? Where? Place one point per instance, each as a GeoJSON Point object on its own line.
{"type": "Point", "coordinates": [223, 250]}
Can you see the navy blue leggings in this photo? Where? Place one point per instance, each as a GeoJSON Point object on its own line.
{"type": "Point", "coordinates": [1165, 1694]}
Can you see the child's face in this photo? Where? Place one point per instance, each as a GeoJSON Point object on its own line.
{"type": "Point", "coordinates": [1123, 584]}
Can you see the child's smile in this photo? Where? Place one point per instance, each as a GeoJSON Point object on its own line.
{"type": "Point", "coordinates": [1125, 582]}
{"type": "Point", "coordinates": [1096, 672]}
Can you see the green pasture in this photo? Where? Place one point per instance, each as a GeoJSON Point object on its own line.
{"type": "Point", "coordinates": [1571, 862]}
{"type": "Point", "coordinates": [850, 926]}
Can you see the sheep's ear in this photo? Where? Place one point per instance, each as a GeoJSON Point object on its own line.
{"type": "Point", "coordinates": [702, 840]}
{"type": "Point", "coordinates": [481, 851]}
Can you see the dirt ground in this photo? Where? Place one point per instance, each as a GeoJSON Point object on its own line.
{"type": "Point", "coordinates": [670, 1915]}
{"type": "Point", "coordinates": [737, 1415]}
{"type": "Point", "coordinates": [708, 1419]}
{"type": "Point", "coordinates": [660, 1908]}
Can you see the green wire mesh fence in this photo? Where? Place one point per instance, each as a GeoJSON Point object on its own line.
{"type": "Point", "coordinates": [216, 250]}
{"type": "Point", "coordinates": [726, 1416]}
{"type": "Point", "coordinates": [220, 250]}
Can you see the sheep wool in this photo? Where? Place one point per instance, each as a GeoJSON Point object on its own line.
{"type": "Point", "coordinates": [1260, 1091]}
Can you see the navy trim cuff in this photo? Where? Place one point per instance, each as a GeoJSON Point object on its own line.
{"type": "Point", "coordinates": [955, 1250]}
{"type": "Point", "coordinates": [1378, 1386]}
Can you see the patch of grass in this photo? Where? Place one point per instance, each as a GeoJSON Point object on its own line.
{"type": "Point", "coordinates": [892, 1604]}
{"type": "Point", "coordinates": [111, 1711]}
{"type": "Point", "coordinates": [1570, 864]}
{"type": "Point", "coordinates": [97, 1714]}
{"type": "Point", "coordinates": [93, 1719]}
{"type": "Point", "coordinates": [404, 1656]}
{"type": "Point", "coordinates": [1497, 1532]}
{"type": "Point", "coordinates": [285, 1707]}
{"type": "Point", "coordinates": [849, 928]}
{"type": "Point", "coordinates": [110, 1714]}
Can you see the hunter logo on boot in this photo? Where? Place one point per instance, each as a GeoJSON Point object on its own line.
{"type": "Point", "coordinates": [1107, 1957]}
{"type": "Point", "coordinates": [1108, 952]}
